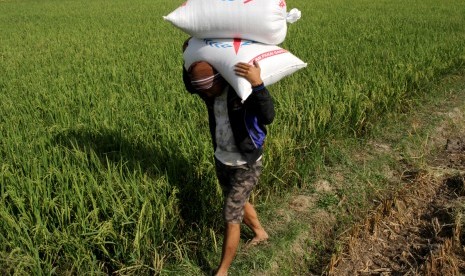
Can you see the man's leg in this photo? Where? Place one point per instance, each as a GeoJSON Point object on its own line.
{"type": "Point", "coordinates": [251, 220]}
{"type": "Point", "coordinates": [230, 244]}
{"type": "Point", "coordinates": [237, 184]}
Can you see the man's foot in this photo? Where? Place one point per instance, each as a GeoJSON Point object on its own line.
{"type": "Point", "coordinates": [258, 239]}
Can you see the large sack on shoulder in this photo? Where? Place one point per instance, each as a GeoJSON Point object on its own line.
{"type": "Point", "coordinates": [263, 21]}
{"type": "Point", "coordinates": [275, 62]}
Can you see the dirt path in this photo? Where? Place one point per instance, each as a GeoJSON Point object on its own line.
{"type": "Point", "coordinates": [418, 230]}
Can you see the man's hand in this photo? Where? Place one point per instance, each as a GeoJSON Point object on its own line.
{"type": "Point", "coordinates": [249, 72]}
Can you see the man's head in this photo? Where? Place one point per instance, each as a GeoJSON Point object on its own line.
{"type": "Point", "coordinates": [205, 79]}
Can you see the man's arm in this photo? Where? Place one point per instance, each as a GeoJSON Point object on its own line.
{"type": "Point", "coordinates": [260, 100]}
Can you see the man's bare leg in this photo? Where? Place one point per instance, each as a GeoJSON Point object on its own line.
{"type": "Point", "coordinates": [251, 220]}
{"type": "Point", "coordinates": [230, 243]}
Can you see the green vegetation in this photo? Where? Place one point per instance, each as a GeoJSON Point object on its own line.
{"type": "Point", "coordinates": [106, 162]}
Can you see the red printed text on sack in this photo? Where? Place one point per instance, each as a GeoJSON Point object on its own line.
{"type": "Point", "coordinates": [267, 55]}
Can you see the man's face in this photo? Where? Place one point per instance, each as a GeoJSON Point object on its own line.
{"type": "Point", "coordinates": [216, 89]}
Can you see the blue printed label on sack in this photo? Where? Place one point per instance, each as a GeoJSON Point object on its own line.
{"type": "Point", "coordinates": [236, 44]}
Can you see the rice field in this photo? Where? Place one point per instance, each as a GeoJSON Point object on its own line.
{"type": "Point", "coordinates": [106, 161]}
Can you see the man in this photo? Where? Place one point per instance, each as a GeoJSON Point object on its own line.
{"type": "Point", "coordinates": [238, 135]}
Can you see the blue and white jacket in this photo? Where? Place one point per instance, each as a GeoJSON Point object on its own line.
{"type": "Point", "coordinates": [247, 119]}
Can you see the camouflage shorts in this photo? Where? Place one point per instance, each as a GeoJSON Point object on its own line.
{"type": "Point", "coordinates": [237, 183]}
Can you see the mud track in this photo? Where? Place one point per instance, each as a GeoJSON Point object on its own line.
{"type": "Point", "coordinates": [418, 231]}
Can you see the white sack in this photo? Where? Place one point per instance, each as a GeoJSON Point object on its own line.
{"type": "Point", "coordinates": [259, 20]}
{"type": "Point", "coordinates": [223, 54]}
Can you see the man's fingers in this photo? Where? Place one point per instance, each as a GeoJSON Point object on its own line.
{"type": "Point", "coordinates": [240, 73]}
{"type": "Point", "coordinates": [255, 63]}
{"type": "Point", "coordinates": [242, 65]}
{"type": "Point", "coordinates": [247, 66]}
{"type": "Point", "coordinates": [242, 68]}
{"type": "Point", "coordinates": [245, 69]}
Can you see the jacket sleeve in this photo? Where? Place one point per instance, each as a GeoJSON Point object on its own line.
{"type": "Point", "coordinates": [261, 102]}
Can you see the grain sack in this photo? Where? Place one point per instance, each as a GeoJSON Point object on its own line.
{"type": "Point", "coordinates": [263, 21]}
{"type": "Point", "coordinates": [275, 62]}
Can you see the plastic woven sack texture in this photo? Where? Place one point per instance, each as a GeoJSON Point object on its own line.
{"type": "Point", "coordinates": [259, 20]}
